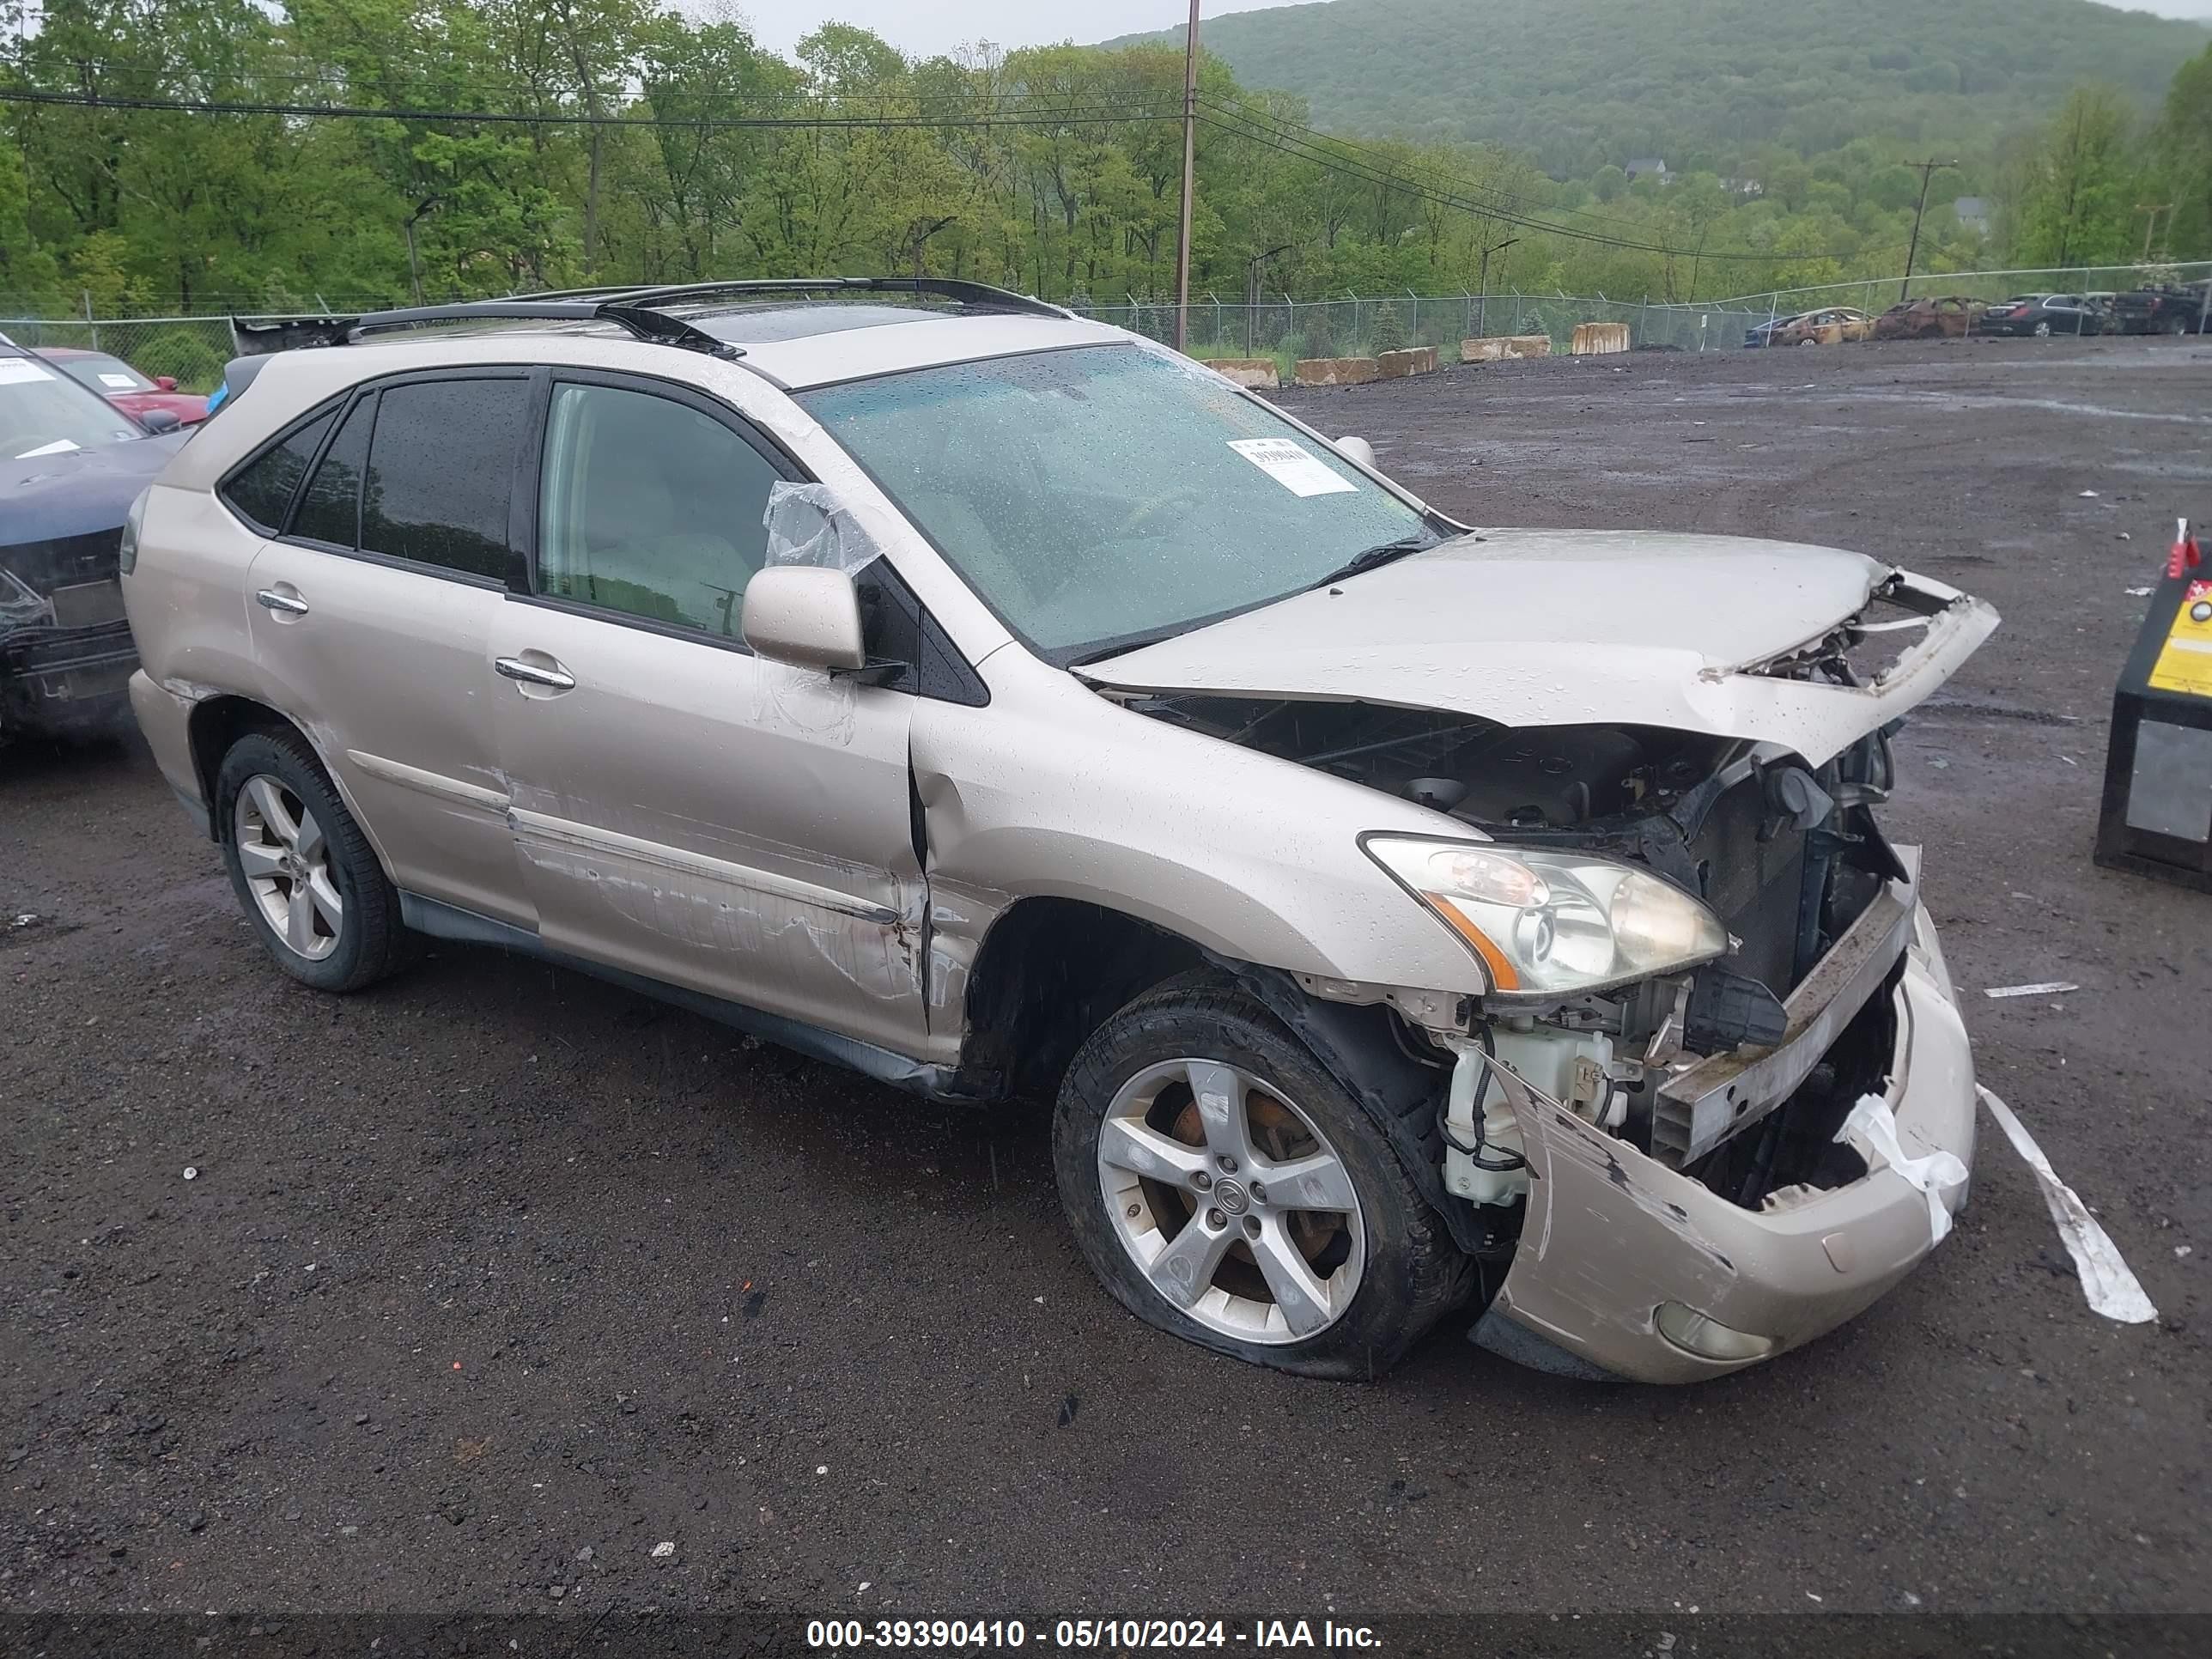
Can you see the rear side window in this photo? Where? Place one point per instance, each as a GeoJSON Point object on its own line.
{"type": "Point", "coordinates": [441, 473]}
{"type": "Point", "coordinates": [262, 490]}
{"type": "Point", "coordinates": [330, 510]}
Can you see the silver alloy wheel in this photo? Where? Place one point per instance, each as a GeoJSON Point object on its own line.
{"type": "Point", "coordinates": [1231, 1202]}
{"type": "Point", "coordinates": [287, 861]}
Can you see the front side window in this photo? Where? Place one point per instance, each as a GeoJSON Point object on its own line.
{"type": "Point", "coordinates": [1108, 495]}
{"type": "Point", "coordinates": [649, 508]}
{"type": "Point", "coordinates": [441, 473]}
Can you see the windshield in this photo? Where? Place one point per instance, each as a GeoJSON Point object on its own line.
{"type": "Point", "coordinates": [1110, 494]}
{"type": "Point", "coordinates": [43, 414]}
{"type": "Point", "coordinates": [103, 374]}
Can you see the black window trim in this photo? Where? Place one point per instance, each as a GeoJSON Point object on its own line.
{"type": "Point", "coordinates": [522, 582]}
{"type": "Point", "coordinates": [376, 388]}
{"type": "Point", "coordinates": [970, 690]}
{"type": "Point", "coordinates": [291, 537]}
{"type": "Point", "coordinates": [334, 406]}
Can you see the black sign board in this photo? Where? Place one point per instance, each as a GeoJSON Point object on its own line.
{"type": "Point", "coordinates": [2157, 816]}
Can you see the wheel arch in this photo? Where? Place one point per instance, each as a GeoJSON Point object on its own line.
{"type": "Point", "coordinates": [1049, 973]}
{"type": "Point", "coordinates": [214, 727]}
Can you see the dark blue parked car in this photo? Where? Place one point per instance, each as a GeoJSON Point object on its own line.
{"type": "Point", "coordinates": [1763, 333]}
{"type": "Point", "coordinates": [71, 465]}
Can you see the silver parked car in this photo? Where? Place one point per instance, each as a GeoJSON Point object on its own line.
{"type": "Point", "coordinates": [1402, 917]}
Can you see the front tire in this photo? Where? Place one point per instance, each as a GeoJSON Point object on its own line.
{"type": "Point", "coordinates": [1228, 1189]}
{"type": "Point", "coordinates": [304, 872]}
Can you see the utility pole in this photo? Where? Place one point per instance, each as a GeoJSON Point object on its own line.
{"type": "Point", "coordinates": [1482, 304]}
{"type": "Point", "coordinates": [1189, 154]}
{"type": "Point", "coordinates": [2150, 223]}
{"type": "Point", "coordinates": [1927, 171]}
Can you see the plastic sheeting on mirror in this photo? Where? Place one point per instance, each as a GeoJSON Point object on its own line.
{"type": "Point", "coordinates": [808, 524]}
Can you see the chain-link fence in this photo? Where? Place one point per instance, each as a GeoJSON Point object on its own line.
{"type": "Point", "coordinates": [1287, 329]}
{"type": "Point", "coordinates": [193, 350]}
{"type": "Point", "coordinates": [1876, 296]}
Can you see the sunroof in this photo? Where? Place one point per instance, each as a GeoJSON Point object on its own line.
{"type": "Point", "coordinates": [748, 325]}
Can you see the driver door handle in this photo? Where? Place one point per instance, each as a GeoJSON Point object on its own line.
{"type": "Point", "coordinates": [531, 674]}
{"type": "Point", "coordinates": [290, 604]}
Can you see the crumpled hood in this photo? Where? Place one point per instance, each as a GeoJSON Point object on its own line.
{"type": "Point", "coordinates": [1532, 628]}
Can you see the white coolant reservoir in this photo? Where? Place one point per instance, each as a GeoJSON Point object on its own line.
{"type": "Point", "coordinates": [1570, 1067]}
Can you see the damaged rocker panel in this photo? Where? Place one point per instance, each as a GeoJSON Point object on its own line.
{"type": "Point", "coordinates": [450, 921]}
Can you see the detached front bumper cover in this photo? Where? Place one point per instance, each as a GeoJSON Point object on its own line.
{"type": "Point", "coordinates": [1629, 1269]}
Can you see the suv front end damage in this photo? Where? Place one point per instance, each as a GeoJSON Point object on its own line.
{"type": "Point", "coordinates": [1720, 1129]}
{"type": "Point", "coordinates": [1630, 1261]}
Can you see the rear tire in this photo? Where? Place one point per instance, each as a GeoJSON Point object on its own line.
{"type": "Point", "coordinates": [304, 872]}
{"type": "Point", "coordinates": [1174, 1122]}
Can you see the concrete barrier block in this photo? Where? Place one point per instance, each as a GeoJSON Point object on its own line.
{"type": "Point", "coordinates": [1497, 348]}
{"type": "Point", "coordinates": [1598, 339]}
{"type": "Point", "coordinates": [1336, 371]}
{"type": "Point", "coordinates": [1257, 373]}
{"type": "Point", "coordinates": [1414, 360]}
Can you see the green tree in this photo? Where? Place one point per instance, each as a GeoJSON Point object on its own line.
{"type": "Point", "coordinates": [2079, 185]}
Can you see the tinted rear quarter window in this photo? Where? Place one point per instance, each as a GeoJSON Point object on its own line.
{"type": "Point", "coordinates": [441, 473]}
{"type": "Point", "coordinates": [330, 510]}
{"type": "Point", "coordinates": [263, 489]}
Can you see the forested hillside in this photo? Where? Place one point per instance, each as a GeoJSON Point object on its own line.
{"type": "Point", "coordinates": [1579, 83]}
{"type": "Point", "coordinates": [160, 156]}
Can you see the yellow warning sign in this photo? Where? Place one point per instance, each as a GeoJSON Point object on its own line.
{"type": "Point", "coordinates": [2185, 662]}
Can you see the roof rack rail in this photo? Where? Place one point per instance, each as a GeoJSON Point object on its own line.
{"type": "Point", "coordinates": [615, 306]}
{"type": "Point", "coordinates": [946, 288]}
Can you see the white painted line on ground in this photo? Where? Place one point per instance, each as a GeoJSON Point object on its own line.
{"type": "Point", "coordinates": [2111, 1290]}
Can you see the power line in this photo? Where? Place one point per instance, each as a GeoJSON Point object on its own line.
{"type": "Point", "coordinates": [1396, 164]}
{"type": "Point", "coordinates": [1092, 115]}
{"type": "Point", "coordinates": [1237, 123]}
{"type": "Point", "coordinates": [417, 77]}
{"type": "Point", "coordinates": [1305, 150]}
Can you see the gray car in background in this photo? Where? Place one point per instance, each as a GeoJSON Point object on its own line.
{"type": "Point", "coordinates": [1401, 918]}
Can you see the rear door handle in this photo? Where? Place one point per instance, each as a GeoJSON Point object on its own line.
{"type": "Point", "coordinates": [531, 674]}
{"type": "Point", "coordinates": [290, 604]}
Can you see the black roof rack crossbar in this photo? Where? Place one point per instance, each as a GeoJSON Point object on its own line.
{"type": "Point", "coordinates": [615, 308]}
{"type": "Point", "coordinates": [943, 287]}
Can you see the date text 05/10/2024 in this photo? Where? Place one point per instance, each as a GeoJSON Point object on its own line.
{"type": "Point", "coordinates": [1088, 1634]}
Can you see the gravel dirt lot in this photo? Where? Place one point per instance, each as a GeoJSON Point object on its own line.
{"type": "Point", "coordinates": [494, 1279]}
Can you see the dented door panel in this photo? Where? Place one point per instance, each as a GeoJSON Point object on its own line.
{"type": "Point", "coordinates": [693, 814]}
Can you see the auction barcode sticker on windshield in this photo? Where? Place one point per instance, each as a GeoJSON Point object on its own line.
{"type": "Point", "coordinates": [1292, 465]}
{"type": "Point", "coordinates": [16, 371]}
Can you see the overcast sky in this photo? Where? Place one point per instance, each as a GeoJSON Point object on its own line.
{"type": "Point", "coordinates": [921, 28]}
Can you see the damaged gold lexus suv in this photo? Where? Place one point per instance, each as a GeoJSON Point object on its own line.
{"type": "Point", "coordinates": [1406, 919]}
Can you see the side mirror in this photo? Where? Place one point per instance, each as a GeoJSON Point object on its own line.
{"type": "Point", "coordinates": [1358, 450]}
{"type": "Point", "coordinates": [166, 382]}
{"type": "Point", "coordinates": [160, 420]}
{"type": "Point", "coordinates": [806, 615]}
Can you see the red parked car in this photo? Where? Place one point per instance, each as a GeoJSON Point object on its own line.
{"type": "Point", "coordinates": [125, 386]}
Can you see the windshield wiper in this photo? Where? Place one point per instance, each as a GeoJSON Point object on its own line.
{"type": "Point", "coordinates": [1420, 541]}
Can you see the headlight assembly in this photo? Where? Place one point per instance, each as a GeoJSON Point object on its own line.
{"type": "Point", "coordinates": [1546, 921]}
